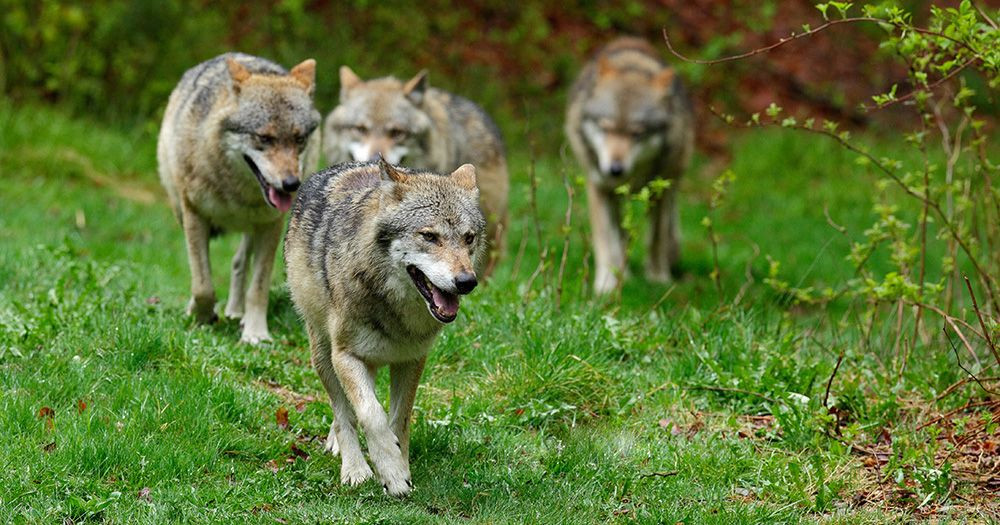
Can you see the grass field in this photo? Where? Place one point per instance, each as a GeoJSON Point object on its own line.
{"type": "Point", "coordinates": [658, 407]}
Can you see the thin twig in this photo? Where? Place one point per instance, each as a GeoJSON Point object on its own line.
{"type": "Point", "coordinates": [566, 234]}
{"type": "Point", "coordinates": [960, 365]}
{"type": "Point", "coordinates": [817, 29]}
{"type": "Point", "coordinates": [664, 474]}
{"type": "Point", "coordinates": [982, 324]}
{"type": "Point", "coordinates": [826, 395]}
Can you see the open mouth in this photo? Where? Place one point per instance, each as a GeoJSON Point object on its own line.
{"type": "Point", "coordinates": [443, 305]}
{"type": "Point", "coordinates": [275, 198]}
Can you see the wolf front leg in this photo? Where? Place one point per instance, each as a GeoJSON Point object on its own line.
{"type": "Point", "coordinates": [265, 244]}
{"type": "Point", "coordinates": [238, 281]}
{"type": "Point", "coordinates": [608, 244]}
{"type": "Point", "coordinates": [404, 377]}
{"type": "Point", "coordinates": [664, 251]}
{"type": "Point", "coordinates": [196, 233]}
{"type": "Point", "coordinates": [343, 437]}
{"type": "Point", "coordinates": [358, 381]}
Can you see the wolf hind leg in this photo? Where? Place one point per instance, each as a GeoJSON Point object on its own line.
{"type": "Point", "coordinates": [494, 188]}
{"type": "Point", "coordinates": [664, 252]}
{"type": "Point", "coordinates": [238, 281]}
{"type": "Point", "coordinates": [196, 234]}
{"type": "Point", "coordinates": [265, 245]}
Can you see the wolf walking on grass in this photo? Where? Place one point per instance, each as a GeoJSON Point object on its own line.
{"type": "Point", "coordinates": [629, 121]}
{"type": "Point", "coordinates": [422, 127]}
{"type": "Point", "coordinates": [238, 135]}
{"type": "Point", "coordinates": [377, 259]}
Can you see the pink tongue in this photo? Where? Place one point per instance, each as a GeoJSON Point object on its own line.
{"type": "Point", "coordinates": [445, 303]}
{"type": "Point", "coordinates": [280, 200]}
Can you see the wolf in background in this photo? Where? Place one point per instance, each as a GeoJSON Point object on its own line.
{"type": "Point", "coordinates": [425, 128]}
{"type": "Point", "coordinates": [238, 134]}
{"type": "Point", "coordinates": [629, 121]}
{"type": "Point", "coordinates": [377, 259]}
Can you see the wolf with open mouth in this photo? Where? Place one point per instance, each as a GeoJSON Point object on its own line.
{"type": "Point", "coordinates": [238, 135]}
{"type": "Point", "coordinates": [378, 258]}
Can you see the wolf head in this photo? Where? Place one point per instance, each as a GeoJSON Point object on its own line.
{"type": "Point", "coordinates": [271, 127]}
{"type": "Point", "coordinates": [626, 118]}
{"type": "Point", "coordinates": [381, 117]}
{"type": "Point", "coordinates": [434, 232]}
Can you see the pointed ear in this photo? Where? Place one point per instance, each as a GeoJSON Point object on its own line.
{"type": "Point", "coordinates": [604, 68]}
{"type": "Point", "coordinates": [348, 78]}
{"type": "Point", "coordinates": [664, 79]}
{"type": "Point", "coordinates": [415, 88]}
{"type": "Point", "coordinates": [465, 176]}
{"type": "Point", "coordinates": [238, 72]}
{"type": "Point", "coordinates": [305, 74]}
{"type": "Point", "coordinates": [390, 173]}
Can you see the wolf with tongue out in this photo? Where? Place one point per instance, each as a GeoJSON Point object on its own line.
{"type": "Point", "coordinates": [238, 134]}
{"type": "Point", "coordinates": [378, 258]}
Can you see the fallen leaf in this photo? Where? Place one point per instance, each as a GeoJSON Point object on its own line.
{"type": "Point", "coordinates": [261, 508]}
{"type": "Point", "coordinates": [664, 423]}
{"type": "Point", "coordinates": [81, 405]}
{"type": "Point", "coordinates": [300, 406]}
{"type": "Point", "coordinates": [281, 416]}
{"type": "Point", "coordinates": [144, 495]}
{"type": "Point", "coordinates": [50, 447]}
{"type": "Point", "coordinates": [45, 412]}
{"type": "Point", "coordinates": [281, 520]}
{"type": "Point", "coordinates": [273, 465]}
{"type": "Point", "coordinates": [299, 453]}
{"type": "Point", "coordinates": [153, 300]}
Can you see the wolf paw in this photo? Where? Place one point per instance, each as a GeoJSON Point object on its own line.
{"type": "Point", "coordinates": [355, 475]}
{"type": "Point", "coordinates": [394, 472]}
{"type": "Point", "coordinates": [202, 311]}
{"type": "Point", "coordinates": [255, 337]}
{"type": "Point", "coordinates": [233, 312]}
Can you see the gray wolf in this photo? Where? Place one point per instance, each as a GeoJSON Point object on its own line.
{"type": "Point", "coordinates": [238, 134]}
{"type": "Point", "coordinates": [422, 127]}
{"type": "Point", "coordinates": [377, 258]}
{"type": "Point", "coordinates": [629, 121]}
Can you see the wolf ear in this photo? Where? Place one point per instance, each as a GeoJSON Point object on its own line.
{"type": "Point", "coordinates": [390, 173]}
{"type": "Point", "coordinates": [238, 72]}
{"type": "Point", "coordinates": [465, 176]}
{"type": "Point", "coordinates": [664, 80]}
{"type": "Point", "coordinates": [604, 68]}
{"type": "Point", "coordinates": [415, 88]}
{"type": "Point", "coordinates": [305, 74]}
{"type": "Point", "coordinates": [348, 79]}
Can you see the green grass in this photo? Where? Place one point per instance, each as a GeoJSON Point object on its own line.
{"type": "Point", "coordinates": [590, 413]}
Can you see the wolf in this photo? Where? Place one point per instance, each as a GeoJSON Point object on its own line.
{"type": "Point", "coordinates": [238, 134]}
{"type": "Point", "coordinates": [377, 258]}
{"type": "Point", "coordinates": [424, 128]}
{"type": "Point", "coordinates": [629, 121]}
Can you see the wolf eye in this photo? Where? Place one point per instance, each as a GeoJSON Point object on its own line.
{"type": "Point", "coordinates": [429, 236]}
{"type": "Point", "coordinates": [265, 140]}
{"type": "Point", "coordinates": [397, 134]}
{"type": "Point", "coordinates": [362, 130]}
{"type": "Point", "coordinates": [470, 238]}
{"type": "Point", "coordinates": [301, 140]}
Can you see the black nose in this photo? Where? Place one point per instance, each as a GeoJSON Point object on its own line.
{"type": "Point", "coordinates": [465, 282]}
{"type": "Point", "coordinates": [616, 169]}
{"type": "Point", "coordinates": [290, 184]}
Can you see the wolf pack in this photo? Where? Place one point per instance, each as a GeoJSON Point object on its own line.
{"type": "Point", "coordinates": [411, 214]}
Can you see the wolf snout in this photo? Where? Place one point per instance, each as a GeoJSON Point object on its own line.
{"type": "Point", "coordinates": [465, 282]}
{"type": "Point", "coordinates": [617, 169]}
{"type": "Point", "coordinates": [290, 183]}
